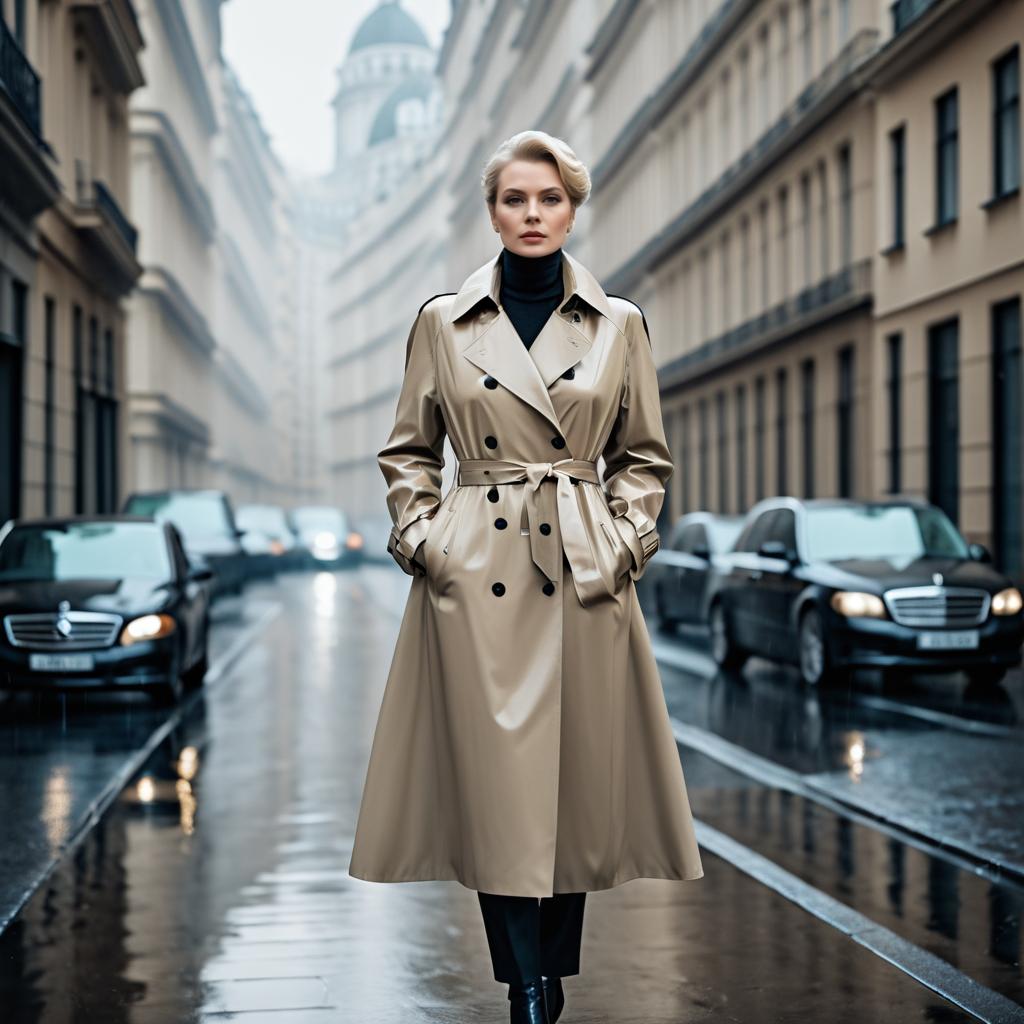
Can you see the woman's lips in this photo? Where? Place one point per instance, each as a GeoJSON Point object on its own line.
{"type": "Point", "coordinates": [532, 236]}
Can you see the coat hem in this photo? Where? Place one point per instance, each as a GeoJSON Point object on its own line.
{"type": "Point", "coordinates": [441, 876]}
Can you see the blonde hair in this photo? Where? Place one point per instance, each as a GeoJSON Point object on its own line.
{"type": "Point", "coordinates": [536, 145]}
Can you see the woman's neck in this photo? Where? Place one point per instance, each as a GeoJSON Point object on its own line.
{"type": "Point", "coordinates": [531, 277]}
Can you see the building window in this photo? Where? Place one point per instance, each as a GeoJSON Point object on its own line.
{"type": "Point", "coordinates": [49, 403]}
{"type": "Point", "coordinates": [760, 418]}
{"type": "Point", "coordinates": [703, 459]}
{"type": "Point", "coordinates": [944, 417]}
{"type": "Point", "coordinates": [898, 162]}
{"type": "Point", "coordinates": [807, 424]}
{"type": "Point", "coordinates": [744, 102]}
{"type": "Point", "coordinates": [946, 158]}
{"type": "Point", "coordinates": [781, 440]}
{"type": "Point", "coordinates": [12, 362]}
{"type": "Point", "coordinates": [81, 413]}
{"type": "Point", "coordinates": [894, 384]}
{"type": "Point", "coordinates": [766, 263]}
{"type": "Point", "coordinates": [741, 448]}
{"type": "Point", "coordinates": [1008, 438]}
{"type": "Point", "coordinates": [784, 57]}
{"type": "Point", "coordinates": [844, 425]}
{"type": "Point", "coordinates": [825, 18]}
{"type": "Point", "coordinates": [806, 45]}
{"type": "Point", "coordinates": [805, 227]}
{"type": "Point", "coordinates": [845, 207]}
{"type": "Point", "coordinates": [763, 78]}
{"type": "Point", "coordinates": [685, 461]}
{"type": "Point", "coordinates": [823, 215]}
{"type": "Point", "coordinates": [1006, 123]}
{"type": "Point", "coordinates": [705, 291]}
{"type": "Point", "coordinates": [783, 243]}
{"type": "Point", "coordinates": [725, 128]}
{"type": "Point", "coordinates": [745, 268]}
{"type": "Point", "coordinates": [725, 277]}
{"type": "Point", "coordinates": [844, 21]}
{"type": "Point", "coordinates": [723, 453]}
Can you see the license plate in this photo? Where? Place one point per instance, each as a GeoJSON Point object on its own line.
{"type": "Point", "coordinates": [61, 662]}
{"type": "Point", "coordinates": [964, 639]}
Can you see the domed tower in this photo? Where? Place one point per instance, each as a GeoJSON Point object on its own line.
{"type": "Point", "coordinates": [390, 65]}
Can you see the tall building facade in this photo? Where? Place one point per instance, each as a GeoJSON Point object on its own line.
{"type": "Point", "coordinates": [67, 251]}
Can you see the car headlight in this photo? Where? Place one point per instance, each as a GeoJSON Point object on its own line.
{"type": "Point", "coordinates": [1007, 602]}
{"type": "Point", "coordinates": [325, 540]}
{"type": "Point", "coordinates": [147, 627]}
{"type": "Point", "coordinates": [854, 604]}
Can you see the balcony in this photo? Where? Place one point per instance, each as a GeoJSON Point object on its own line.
{"type": "Point", "coordinates": [27, 177]}
{"type": "Point", "coordinates": [112, 28]}
{"type": "Point", "coordinates": [101, 223]}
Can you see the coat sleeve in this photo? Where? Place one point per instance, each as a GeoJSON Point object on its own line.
{"type": "Point", "coordinates": [413, 457]}
{"type": "Point", "coordinates": [637, 458]}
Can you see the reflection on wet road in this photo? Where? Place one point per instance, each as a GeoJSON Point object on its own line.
{"type": "Point", "coordinates": [216, 884]}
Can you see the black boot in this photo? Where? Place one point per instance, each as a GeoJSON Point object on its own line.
{"type": "Point", "coordinates": [554, 998]}
{"type": "Point", "coordinates": [527, 1003]}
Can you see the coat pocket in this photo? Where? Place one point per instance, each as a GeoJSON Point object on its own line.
{"type": "Point", "coordinates": [622, 557]}
{"type": "Point", "coordinates": [445, 533]}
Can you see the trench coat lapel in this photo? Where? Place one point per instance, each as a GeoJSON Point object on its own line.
{"type": "Point", "coordinates": [496, 348]}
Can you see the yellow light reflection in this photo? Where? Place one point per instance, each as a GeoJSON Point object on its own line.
{"type": "Point", "coordinates": [856, 749]}
{"type": "Point", "coordinates": [57, 806]}
{"type": "Point", "coordinates": [188, 762]}
{"type": "Point", "coordinates": [146, 790]}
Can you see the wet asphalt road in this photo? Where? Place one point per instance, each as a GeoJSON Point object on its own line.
{"type": "Point", "coordinates": [215, 885]}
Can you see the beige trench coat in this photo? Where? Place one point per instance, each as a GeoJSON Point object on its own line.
{"type": "Point", "coordinates": [523, 744]}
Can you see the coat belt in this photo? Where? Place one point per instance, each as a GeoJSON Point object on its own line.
{"type": "Point", "coordinates": [557, 506]}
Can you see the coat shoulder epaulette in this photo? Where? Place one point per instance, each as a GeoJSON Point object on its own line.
{"type": "Point", "coordinates": [632, 303]}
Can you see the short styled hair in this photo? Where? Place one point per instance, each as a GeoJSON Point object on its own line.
{"type": "Point", "coordinates": [537, 145]}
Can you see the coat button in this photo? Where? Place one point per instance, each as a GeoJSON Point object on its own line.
{"type": "Point", "coordinates": [491, 441]}
{"type": "Point", "coordinates": [556, 442]}
{"type": "Point", "coordinates": [575, 318]}
{"type": "Point", "coordinates": [569, 374]}
{"type": "Point", "coordinates": [492, 494]}
{"type": "Point", "coordinates": [490, 382]}
{"type": "Point", "coordinates": [545, 528]}
{"type": "Point", "coordinates": [575, 482]}
{"type": "Point", "coordinates": [498, 588]}
{"type": "Point", "coordinates": [548, 588]}
{"type": "Point", "coordinates": [501, 523]}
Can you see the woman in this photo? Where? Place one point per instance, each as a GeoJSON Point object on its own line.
{"type": "Point", "coordinates": [523, 746]}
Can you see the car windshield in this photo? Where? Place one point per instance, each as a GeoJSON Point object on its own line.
{"type": "Point", "coordinates": [723, 534]}
{"type": "Point", "coordinates": [268, 518]}
{"type": "Point", "coordinates": [195, 515]}
{"type": "Point", "coordinates": [318, 518]}
{"type": "Point", "coordinates": [896, 533]}
{"type": "Point", "coordinates": [95, 551]}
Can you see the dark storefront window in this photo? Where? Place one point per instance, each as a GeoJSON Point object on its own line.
{"type": "Point", "coordinates": [894, 385]}
{"type": "Point", "coordinates": [704, 457]}
{"type": "Point", "coordinates": [807, 424]}
{"type": "Point", "coordinates": [944, 417]}
{"type": "Point", "coordinates": [844, 425]}
{"type": "Point", "coordinates": [49, 406]}
{"type": "Point", "coordinates": [685, 461]}
{"type": "Point", "coordinates": [741, 448]}
{"type": "Point", "coordinates": [898, 156]}
{"type": "Point", "coordinates": [723, 453]}
{"type": "Point", "coordinates": [760, 427]}
{"type": "Point", "coordinates": [1008, 438]}
{"type": "Point", "coordinates": [96, 415]}
{"type": "Point", "coordinates": [12, 361]}
{"type": "Point", "coordinates": [781, 439]}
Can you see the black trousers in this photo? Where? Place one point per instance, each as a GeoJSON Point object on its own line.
{"type": "Point", "coordinates": [528, 938]}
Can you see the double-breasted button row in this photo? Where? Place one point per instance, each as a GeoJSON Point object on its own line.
{"type": "Point", "coordinates": [490, 382]}
{"type": "Point", "coordinates": [558, 441]}
{"type": "Point", "coordinates": [492, 494]}
{"type": "Point", "coordinates": [570, 373]}
{"type": "Point", "coordinates": [491, 441]}
{"type": "Point", "coordinates": [499, 588]}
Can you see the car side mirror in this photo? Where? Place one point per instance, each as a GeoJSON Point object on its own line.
{"type": "Point", "coordinates": [199, 572]}
{"type": "Point", "coordinates": [980, 553]}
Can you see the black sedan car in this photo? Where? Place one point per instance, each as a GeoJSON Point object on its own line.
{"type": "Point", "coordinates": [206, 521]}
{"type": "Point", "coordinates": [101, 601]}
{"type": "Point", "coordinates": [834, 585]}
{"type": "Point", "coordinates": [688, 565]}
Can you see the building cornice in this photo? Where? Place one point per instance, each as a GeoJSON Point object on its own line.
{"type": "Point", "coordinates": [160, 284]}
{"type": "Point", "coordinates": [112, 28]}
{"type": "Point", "coordinates": [192, 73]}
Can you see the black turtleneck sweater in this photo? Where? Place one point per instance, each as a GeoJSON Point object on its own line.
{"type": "Point", "coordinates": [531, 290]}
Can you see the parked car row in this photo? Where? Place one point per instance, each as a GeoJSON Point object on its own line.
{"type": "Point", "coordinates": [837, 585]}
{"type": "Point", "coordinates": [123, 600]}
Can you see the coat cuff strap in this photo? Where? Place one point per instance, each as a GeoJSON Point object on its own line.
{"type": "Point", "coordinates": [641, 537]}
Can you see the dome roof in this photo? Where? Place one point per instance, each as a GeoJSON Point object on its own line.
{"type": "Point", "coordinates": [386, 25]}
{"type": "Point", "coordinates": [417, 85]}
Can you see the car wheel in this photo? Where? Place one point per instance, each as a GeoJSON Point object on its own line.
{"type": "Point", "coordinates": [724, 649]}
{"type": "Point", "coordinates": [990, 675]}
{"type": "Point", "coordinates": [813, 654]}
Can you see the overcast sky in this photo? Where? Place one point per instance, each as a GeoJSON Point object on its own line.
{"type": "Point", "coordinates": [286, 53]}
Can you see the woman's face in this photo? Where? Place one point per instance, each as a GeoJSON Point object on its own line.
{"type": "Point", "coordinates": [532, 211]}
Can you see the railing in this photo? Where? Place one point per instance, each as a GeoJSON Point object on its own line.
{"type": "Point", "coordinates": [19, 79]}
{"type": "Point", "coordinates": [95, 194]}
{"type": "Point", "coordinates": [906, 11]}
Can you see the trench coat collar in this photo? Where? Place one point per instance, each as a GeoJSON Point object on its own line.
{"type": "Point", "coordinates": [496, 348]}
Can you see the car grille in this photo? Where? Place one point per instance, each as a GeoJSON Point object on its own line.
{"type": "Point", "coordinates": [40, 630]}
{"type": "Point", "coordinates": [938, 607]}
